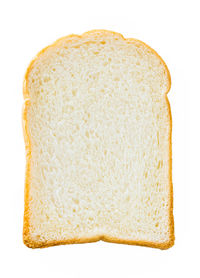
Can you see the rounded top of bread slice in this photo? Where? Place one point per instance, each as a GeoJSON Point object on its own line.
{"type": "Point", "coordinates": [128, 58]}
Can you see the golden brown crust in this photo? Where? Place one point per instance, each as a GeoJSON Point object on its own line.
{"type": "Point", "coordinates": [26, 227]}
{"type": "Point", "coordinates": [27, 176]}
{"type": "Point", "coordinates": [171, 224]}
{"type": "Point", "coordinates": [32, 244]}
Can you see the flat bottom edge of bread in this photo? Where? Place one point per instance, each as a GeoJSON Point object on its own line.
{"type": "Point", "coordinates": [32, 243]}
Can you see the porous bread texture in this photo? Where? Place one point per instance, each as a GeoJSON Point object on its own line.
{"type": "Point", "coordinates": [97, 128]}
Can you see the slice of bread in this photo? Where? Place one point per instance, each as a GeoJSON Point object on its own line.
{"type": "Point", "coordinates": [97, 128]}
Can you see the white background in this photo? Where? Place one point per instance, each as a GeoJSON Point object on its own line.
{"type": "Point", "coordinates": [172, 28]}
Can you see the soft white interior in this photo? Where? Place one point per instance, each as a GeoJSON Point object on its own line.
{"type": "Point", "coordinates": [99, 127]}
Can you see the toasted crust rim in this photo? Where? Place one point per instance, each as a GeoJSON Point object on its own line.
{"type": "Point", "coordinates": [26, 225]}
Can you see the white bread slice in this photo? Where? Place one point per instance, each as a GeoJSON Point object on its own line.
{"type": "Point", "coordinates": [97, 129]}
